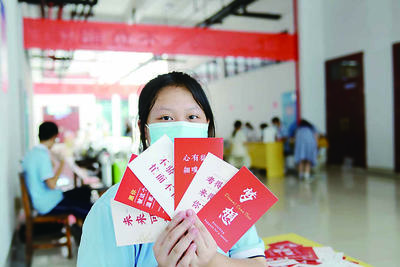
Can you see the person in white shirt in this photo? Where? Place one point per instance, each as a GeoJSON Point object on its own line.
{"type": "Point", "coordinates": [268, 133]}
{"type": "Point", "coordinates": [239, 156]}
{"type": "Point", "coordinates": [250, 133]}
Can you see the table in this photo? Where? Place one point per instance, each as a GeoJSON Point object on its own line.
{"type": "Point", "coordinates": [268, 156]}
{"type": "Point", "coordinates": [302, 241]}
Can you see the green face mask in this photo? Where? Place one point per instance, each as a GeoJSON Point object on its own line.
{"type": "Point", "coordinates": [177, 129]}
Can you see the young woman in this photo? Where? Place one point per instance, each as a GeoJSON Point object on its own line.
{"type": "Point", "coordinates": [239, 156]}
{"type": "Point", "coordinates": [176, 105]}
{"type": "Point", "coordinates": [306, 148]}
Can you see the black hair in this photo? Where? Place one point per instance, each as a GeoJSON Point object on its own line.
{"type": "Point", "coordinates": [263, 125]}
{"type": "Point", "coordinates": [47, 130]}
{"type": "Point", "coordinates": [248, 125]}
{"type": "Point", "coordinates": [150, 91]}
{"type": "Point", "coordinates": [236, 126]}
{"type": "Point", "coordinates": [305, 123]}
{"type": "Point", "coordinates": [275, 120]}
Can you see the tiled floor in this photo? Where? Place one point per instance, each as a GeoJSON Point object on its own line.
{"type": "Point", "coordinates": [354, 211]}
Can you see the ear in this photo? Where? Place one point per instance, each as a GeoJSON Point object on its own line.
{"type": "Point", "coordinates": [146, 132]}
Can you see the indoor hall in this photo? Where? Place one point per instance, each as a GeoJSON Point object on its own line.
{"type": "Point", "coordinates": [300, 95]}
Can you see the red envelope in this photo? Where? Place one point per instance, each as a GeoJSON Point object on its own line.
{"type": "Point", "coordinates": [235, 208]}
{"type": "Point", "coordinates": [189, 153]}
{"type": "Point", "coordinates": [133, 193]}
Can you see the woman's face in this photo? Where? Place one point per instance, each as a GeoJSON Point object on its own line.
{"type": "Point", "coordinates": [175, 104]}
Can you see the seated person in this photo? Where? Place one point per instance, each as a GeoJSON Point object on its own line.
{"type": "Point", "coordinates": [41, 180]}
{"type": "Point", "coordinates": [268, 134]}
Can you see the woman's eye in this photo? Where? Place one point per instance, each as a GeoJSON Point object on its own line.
{"type": "Point", "coordinates": [192, 117]}
{"type": "Point", "coordinates": [166, 118]}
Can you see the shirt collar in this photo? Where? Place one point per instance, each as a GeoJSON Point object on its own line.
{"type": "Point", "coordinates": [41, 146]}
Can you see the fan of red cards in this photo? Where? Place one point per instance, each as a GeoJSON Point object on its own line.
{"type": "Point", "coordinates": [188, 173]}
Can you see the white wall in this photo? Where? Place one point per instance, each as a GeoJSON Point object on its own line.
{"type": "Point", "coordinates": [347, 27]}
{"type": "Point", "coordinates": [396, 21]}
{"type": "Point", "coordinates": [254, 96]}
{"type": "Point", "coordinates": [11, 128]}
{"type": "Point", "coordinates": [312, 73]}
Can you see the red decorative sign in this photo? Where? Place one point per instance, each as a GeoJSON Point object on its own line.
{"type": "Point", "coordinates": [100, 91]}
{"type": "Point", "coordinates": [72, 35]}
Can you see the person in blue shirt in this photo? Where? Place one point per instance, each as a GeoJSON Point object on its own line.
{"type": "Point", "coordinates": [41, 180]}
{"type": "Point", "coordinates": [306, 148]}
{"type": "Point", "coordinates": [168, 101]}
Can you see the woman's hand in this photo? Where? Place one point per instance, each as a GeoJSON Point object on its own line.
{"type": "Point", "coordinates": [206, 247]}
{"type": "Point", "coordinates": [175, 246]}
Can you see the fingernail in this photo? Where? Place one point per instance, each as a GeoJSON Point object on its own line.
{"type": "Point", "coordinates": [189, 213]}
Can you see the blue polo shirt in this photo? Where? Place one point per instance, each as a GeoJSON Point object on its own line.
{"type": "Point", "coordinates": [37, 168]}
{"type": "Point", "coordinates": [98, 245]}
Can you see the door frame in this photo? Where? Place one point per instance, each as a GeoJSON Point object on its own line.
{"type": "Point", "coordinates": [396, 105]}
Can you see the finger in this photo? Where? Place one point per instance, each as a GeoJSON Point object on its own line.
{"type": "Point", "coordinates": [201, 226]}
{"type": "Point", "coordinates": [201, 244]}
{"type": "Point", "coordinates": [172, 224]}
{"type": "Point", "coordinates": [190, 254]}
{"type": "Point", "coordinates": [183, 244]}
{"type": "Point", "coordinates": [203, 237]}
{"type": "Point", "coordinates": [177, 233]}
{"type": "Point", "coordinates": [176, 220]}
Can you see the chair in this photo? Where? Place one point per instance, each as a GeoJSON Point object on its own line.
{"type": "Point", "coordinates": [32, 218]}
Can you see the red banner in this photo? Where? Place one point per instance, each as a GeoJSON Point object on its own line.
{"type": "Point", "coordinates": [72, 35]}
{"type": "Point", "coordinates": [100, 91]}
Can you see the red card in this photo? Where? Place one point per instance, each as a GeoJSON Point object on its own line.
{"type": "Point", "coordinates": [284, 244]}
{"type": "Point", "coordinates": [235, 208]}
{"type": "Point", "coordinates": [133, 193]}
{"type": "Point", "coordinates": [189, 153]}
{"type": "Point", "coordinates": [289, 250]}
{"type": "Point", "coordinates": [299, 253]}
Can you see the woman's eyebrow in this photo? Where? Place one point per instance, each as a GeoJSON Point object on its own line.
{"type": "Point", "coordinates": [194, 108]}
{"type": "Point", "coordinates": [163, 109]}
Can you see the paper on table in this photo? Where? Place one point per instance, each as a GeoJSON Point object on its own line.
{"type": "Point", "coordinates": [133, 226]}
{"type": "Point", "coordinates": [327, 254]}
{"type": "Point", "coordinates": [281, 262]}
{"type": "Point", "coordinates": [212, 175]}
{"type": "Point", "coordinates": [155, 169]}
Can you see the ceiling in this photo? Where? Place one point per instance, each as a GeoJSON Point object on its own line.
{"type": "Point", "coordinates": [91, 66]}
{"type": "Point", "coordinates": [176, 12]}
